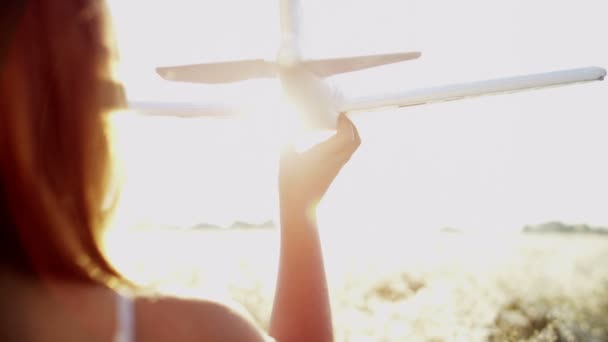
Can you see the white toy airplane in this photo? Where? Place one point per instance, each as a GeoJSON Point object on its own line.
{"type": "Point", "coordinates": [319, 104]}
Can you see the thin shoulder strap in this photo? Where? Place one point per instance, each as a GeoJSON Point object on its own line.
{"type": "Point", "coordinates": [125, 313]}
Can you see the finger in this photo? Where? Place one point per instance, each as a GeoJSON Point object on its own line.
{"type": "Point", "coordinates": [343, 157]}
{"type": "Point", "coordinates": [337, 142]}
{"type": "Point", "coordinates": [356, 133]}
{"type": "Point", "coordinates": [346, 124]}
{"type": "Point", "coordinates": [353, 130]}
{"type": "Point", "coordinates": [329, 169]}
{"type": "Point", "coordinates": [337, 160]}
{"type": "Point", "coordinates": [355, 137]}
{"type": "Point", "coordinates": [328, 148]}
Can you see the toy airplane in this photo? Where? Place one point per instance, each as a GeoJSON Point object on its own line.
{"type": "Point", "coordinates": [302, 80]}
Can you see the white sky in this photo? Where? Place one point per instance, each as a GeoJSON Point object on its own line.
{"type": "Point", "coordinates": [488, 163]}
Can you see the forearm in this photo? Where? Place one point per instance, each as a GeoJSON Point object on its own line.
{"type": "Point", "coordinates": [301, 309]}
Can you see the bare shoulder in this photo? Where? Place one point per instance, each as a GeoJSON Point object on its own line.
{"type": "Point", "coordinates": [178, 319]}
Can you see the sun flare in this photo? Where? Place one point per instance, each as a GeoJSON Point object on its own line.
{"type": "Point", "coordinates": [477, 170]}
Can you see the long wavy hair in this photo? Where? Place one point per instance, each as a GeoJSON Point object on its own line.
{"type": "Point", "coordinates": [56, 87]}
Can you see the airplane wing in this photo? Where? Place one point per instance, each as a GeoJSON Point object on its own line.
{"type": "Point", "coordinates": [472, 89]}
{"type": "Point", "coordinates": [396, 99]}
{"type": "Point", "coordinates": [184, 109]}
{"type": "Point", "coordinates": [223, 72]}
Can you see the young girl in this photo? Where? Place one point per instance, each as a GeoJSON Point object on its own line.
{"type": "Point", "coordinates": [56, 88]}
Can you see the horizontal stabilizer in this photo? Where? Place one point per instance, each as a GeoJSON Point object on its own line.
{"type": "Point", "coordinates": [333, 66]}
{"type": "Point", "coordinates": [473, 89]}
{"type": "Point", "coordinates": [223, 72]}
{"type": "Point", "coordinates": [234, 71]}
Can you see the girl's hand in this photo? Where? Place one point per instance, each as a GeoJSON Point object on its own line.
{"type": "Point", "coordinates": [305, 177]}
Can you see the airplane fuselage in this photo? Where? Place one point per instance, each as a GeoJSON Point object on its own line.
{"type": "Point", "coordinates": [314, 99]}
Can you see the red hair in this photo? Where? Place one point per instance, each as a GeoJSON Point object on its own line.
{"type": "Point", "coordinates": [55, 88]}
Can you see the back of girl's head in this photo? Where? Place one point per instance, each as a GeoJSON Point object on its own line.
{"type": "Point", "coordinates": [55, 87]}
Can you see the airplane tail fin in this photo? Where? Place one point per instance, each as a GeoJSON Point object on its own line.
{"type": "Point", "coordinates": [333, 66]}
{"type": "Point", "coordinates": [223, 72]}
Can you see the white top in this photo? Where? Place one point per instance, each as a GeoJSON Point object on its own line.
{"type": "Point", "coordinates": [125, 316]}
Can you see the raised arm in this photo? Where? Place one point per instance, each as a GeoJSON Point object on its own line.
{"type": "Point", "coordinates": [301, 309]}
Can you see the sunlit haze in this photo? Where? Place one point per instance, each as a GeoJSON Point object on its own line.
{"type": "Point", "coordinates": [486, 164]}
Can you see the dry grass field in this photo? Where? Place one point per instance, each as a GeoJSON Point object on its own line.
{"type": "Point", "coordinates": [414, 287]}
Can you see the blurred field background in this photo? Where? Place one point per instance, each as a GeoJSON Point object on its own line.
{"type": "Point", "coordinates": [416, 287]}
